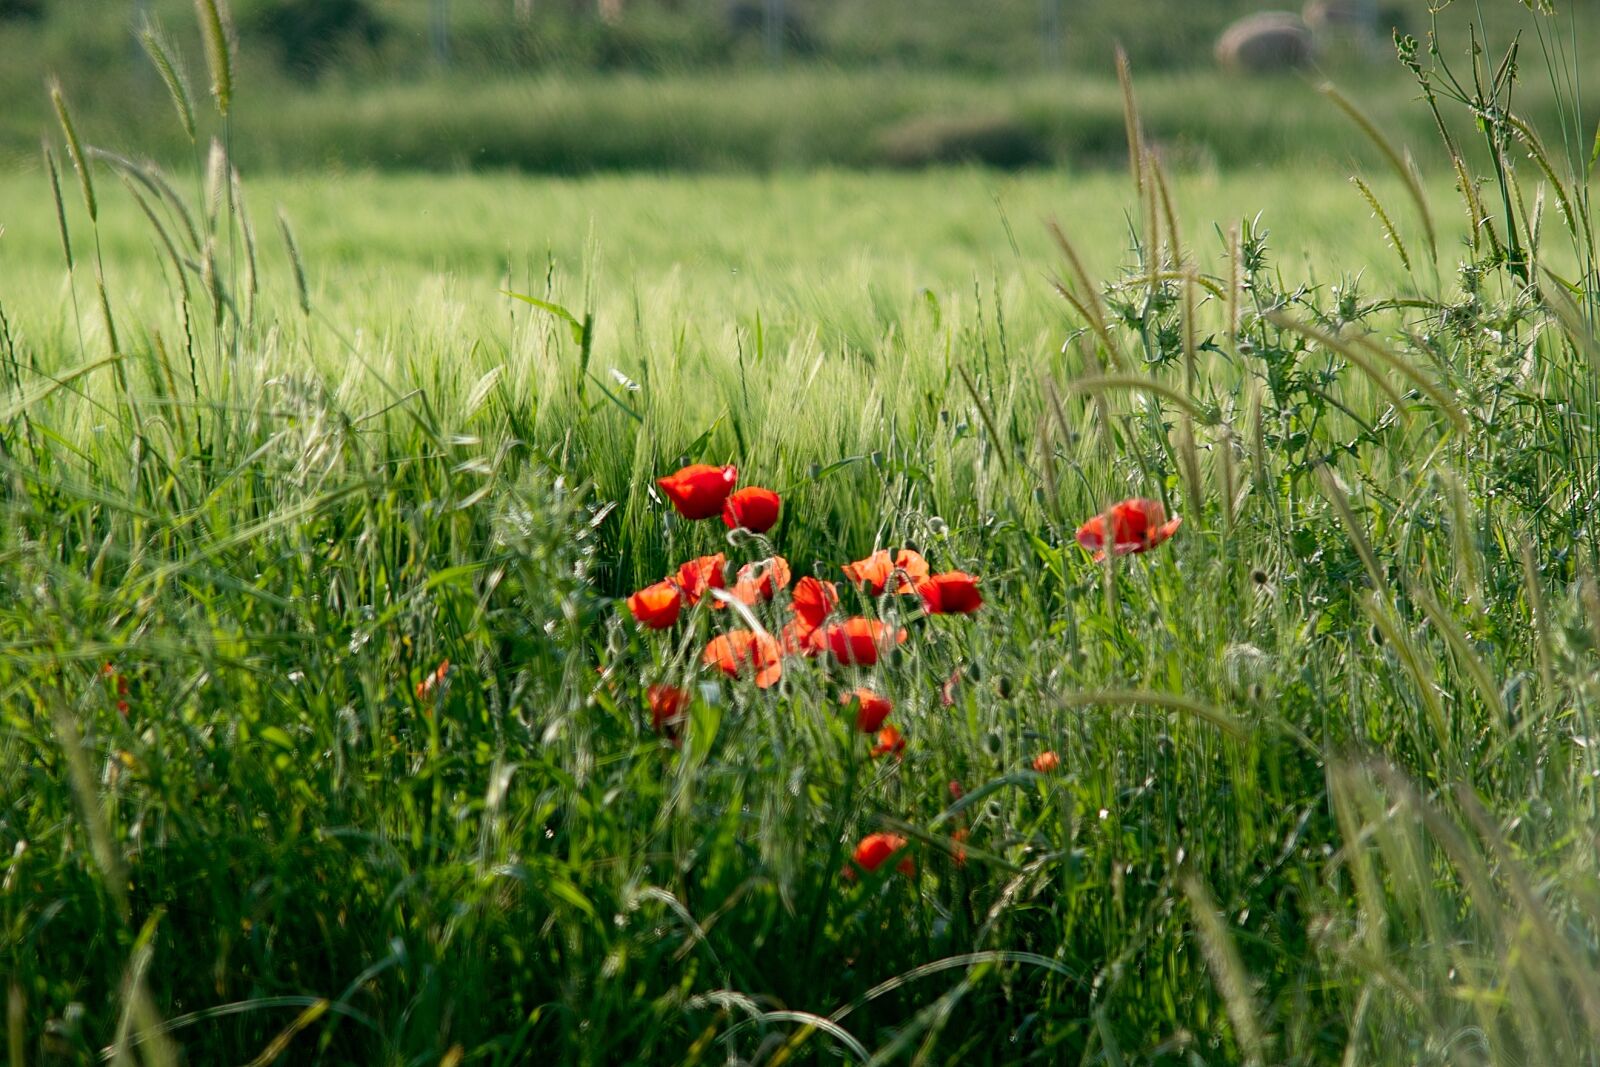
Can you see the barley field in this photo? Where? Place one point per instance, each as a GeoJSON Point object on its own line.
{"type": "Point", "coordinates": [824, 616]}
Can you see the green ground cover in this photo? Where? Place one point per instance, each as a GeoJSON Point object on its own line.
{"type": "Point", "coordinates": [326, 734]}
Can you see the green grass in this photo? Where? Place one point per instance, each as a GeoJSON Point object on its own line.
{"type": "Point", "coordinates": [1327, 784]}
{"type": "Point", "coordinates": [758, 121]}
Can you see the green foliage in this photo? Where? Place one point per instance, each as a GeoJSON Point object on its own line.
{"type": "Point", "coordinates": [308, 35]}
{"type": "Point", "coordinates": [324, 736]}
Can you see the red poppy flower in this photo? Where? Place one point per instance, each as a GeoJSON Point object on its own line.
{"type": "Point", "coordinates": [667, 706]}
{"type": "Point", "coordinates": [737, 650]}
{"type": "Point", "coordinates": [699, 490]}
{"type": "Point", "coordinates": [1045, 762]}
{"type": "Point", "coordinates": [120, 681]}
{"type": "Point", "coordinates": [754, 508]}
{"type": "Point", "coordinates": [871, 708]}
{"type": "Point", "coordinates": [876, 849]}
{"type": "Point", "coordinates": [956, 792]}
{"type": "Point", "coordinates": [859, 640]}
{"type": "Point", "coordinates": [957, 853]}
{"type": "Point", "coordinates": [875, 571]}
{"type": "Point", "coordinates": [657, 606]}
{"type": "Point", "coordinates": [813, 600]}
{"type": "Point", "coordinates": [798, 639]}
{"type": "Point", "coordinates": [890, 741]}
{"type": "Point", "coordinates": [951, 593]}
{"type": "Point", "coordinates": [1136, 526]}
{"type": "Point", "coordinates": [698, 575]}
{"type": "Point", "coordinates": [433, 680]}
{"type": "Point", "coordinates": [760, 581]}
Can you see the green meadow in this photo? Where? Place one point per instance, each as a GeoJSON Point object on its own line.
{"type": "Point", "coordinates": [328, 735]}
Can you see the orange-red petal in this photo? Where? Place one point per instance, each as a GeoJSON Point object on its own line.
{"type": "Point", "coordinates": [890, 742]}
{"type": "Point", "coordinates": [814, 600]}
{"type": "Point", "coordinates": [667, 706]}
{"type": "Point", "coordinates": [871, 708]}
{"type": "Point", "coordinates": [699, 490]}
{"type": "Point", "coordinates": [875, 849]}
{"type": "Point", "coordinates": [754, 508]}
{"type": "Point", "coordinates": [1135, 525]}
{"type": "Point", "coordinates": [738, 650]}
{"type": "Point", "coordinates": [950, 593]}
{"type": "Point", "coordinates": [700, 574]}
{"type": "Point", "coordinates": [859, 640]}
{"type": "Point", "coordinates": [657, 606]}
{"type": "Point", "coordinates": [760, 580]}
{"type": "Point", "coordinates": [906, 567]}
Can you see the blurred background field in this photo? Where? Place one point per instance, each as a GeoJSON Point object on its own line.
{"type": "Point", "coordinates": [802, 251]}
{"type": "Point", "coordinates": [565, 86]}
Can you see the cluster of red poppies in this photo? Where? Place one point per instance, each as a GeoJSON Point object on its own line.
{"type": "Point", "coordinates": [701, 491]}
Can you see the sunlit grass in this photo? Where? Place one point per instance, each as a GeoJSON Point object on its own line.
{"type": "Point", "coordinates": [326, 732]}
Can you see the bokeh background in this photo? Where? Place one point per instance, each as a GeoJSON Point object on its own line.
{"type": "Point", "coordinates": [574, 86]}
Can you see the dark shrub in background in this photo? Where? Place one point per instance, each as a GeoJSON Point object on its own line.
{"type": "Point", "coordinates": [308, 35]}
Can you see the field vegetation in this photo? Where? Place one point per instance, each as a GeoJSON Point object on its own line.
{"type": "Point", "coordinates": [329, 733]}
{"type": "Point", "coordinates": [936, 82]}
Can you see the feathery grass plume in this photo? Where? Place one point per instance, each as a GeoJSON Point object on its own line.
{"type": "Point", "coordinates": [1536, 151]}
{"type": "Point", "coordinates": [74, 149]}
{"type": "Point", "coordinates": [280, 1043]}
{"type": "Point", "coordinates": [988, 420]}
{"type": "Point", "coordinates": [295, 262]}
{"type": "Point", "coordinates": [139, 1023]}
{"type": "Point", "coordinates": [1328, 479]}
{"type": "Point", "coordinates": [1538, 616]}
{"type": "Point", "coordinates": [1235, 280]}
{"type": "Point", "coordinates": [16, 1022]}
{"type": "Point", "coordinates": [150, 176]}
{"type": "Point", "coordinates": [248, 232]}
{"type": "Point", "coordinates": [216, 29]}
{"type": "Point", "coordinates": [1582, 978]}
{"type": "Point", "coordinates": [105, 313]}
{"type": "Point", "coordinates": [1132, 123]}
{"type": "Point", "coordinates": [180, 269]}
{"type": "Point", "coordinates": [69, 735]}
{"type": "Point", "coordinates": [162, 55]}
{"type": "Point", "coordinates": [1467, 661]}
{"type": "Point", "coordinates": [1228, 475]}
{"type": "Point", "coordinates": [1442, 399]}
{"type": "Point", "coordinates": [1191, 342]}
{"type": "Point", "coordinates": [1135, 698]}
{"type": "Point", "coordinates": [1396, 161]}
{"type": "Point", "coordinates": [1174, 246]}
{"type": "Point", "coordinates": [1227, 971]}
{"type": "Point", "coordinates": [1103, 383]}
{"type": "Point", "coordinates": [1088, 305]}
{"type": "Point", "coordinates": [1260, 469]}
{"type": "Point", "coordinates": [1467, 556]}
{"type": "Point", "coordinates": [216, 183]}
{"type": "Point", "coordinates": [61, 208]}
{"type": "Point", "coordinates": [1189, 460]}
{"type": "Point", "coordinates": [212, 280]}
{"type": "Point", "coordinates": [1558, 300]}
{"type": "Point", "coordinates": [1383, 218]}
{"type": "Point", "coordinates": [1424, 677]}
